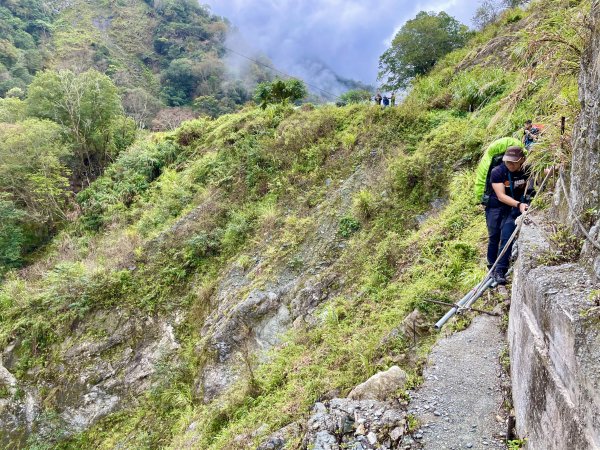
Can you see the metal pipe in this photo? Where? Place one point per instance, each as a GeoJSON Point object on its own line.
{"type": "Point", "coordinates": [466, 301]}
{"type": "Point", "coordinates": [475, 297]}
{"type": "Point", "coordinates": [440, 323]}
{"type": "Point", "coordinates": [482, 311]}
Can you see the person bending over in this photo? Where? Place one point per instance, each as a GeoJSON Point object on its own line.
{"type": "Point", "coordinates": [507, 202]}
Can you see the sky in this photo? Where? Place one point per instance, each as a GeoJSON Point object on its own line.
{"type": "Point", "coordinates": [319, 39]}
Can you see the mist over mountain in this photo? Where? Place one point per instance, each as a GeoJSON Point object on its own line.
{"type": "Point", "coordinates": [323, 82]}
{"type": "Point", "coordinates": [303, 38]}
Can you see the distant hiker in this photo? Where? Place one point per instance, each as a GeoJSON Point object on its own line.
{"type": "Point", "coordinates": [393, 99]}
{"type": "Point", "coordinates": [386, 101]}
{"type": "Point", "coordinates": [531, 133]}
{"type": "Point", "coordinates": [506, 203]}
{"type": "Point", "coordinates": [378, 98]}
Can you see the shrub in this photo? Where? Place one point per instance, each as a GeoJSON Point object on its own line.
{"type": "Point", "coordinates": [11, 235]}
{"type": "Point", "coordinates": [348, 226]}
{"type": "Point", "coordinates": [130, 175]}
{"type": "Point", "coordinates": [279, 91]}
{"type": "Point", "coordinates": [475, 88]}
{"type": "Point", "coordinates": [356, 96]}
{"type": "Point", "coordinates": [363, 204]}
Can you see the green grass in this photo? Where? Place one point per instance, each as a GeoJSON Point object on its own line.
{"type": "Point", "coordinates": [258, 181]}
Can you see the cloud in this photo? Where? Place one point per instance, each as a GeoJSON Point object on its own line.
{"type": "Point", "coordinates": [346, 36]}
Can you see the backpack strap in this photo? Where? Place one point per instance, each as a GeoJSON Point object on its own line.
{"type": "Point", "coordinates": [512, 185]}
{"type": "Point", "coordinates": [487, 192]}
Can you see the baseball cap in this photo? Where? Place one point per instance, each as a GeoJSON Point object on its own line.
{"type": "Point", "coordinates": [514, 154]}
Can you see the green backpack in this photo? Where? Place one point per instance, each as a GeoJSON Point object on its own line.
{"type": "Point", "coordinates": [491, 158]}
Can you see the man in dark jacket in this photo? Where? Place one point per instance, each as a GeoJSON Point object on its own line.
{"type": "Point", "coordinates": [507, 202]}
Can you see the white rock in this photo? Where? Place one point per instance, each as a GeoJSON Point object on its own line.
{"type": "Point", "coordinates": [397, 433]}
{"type": "Point", "coordinates": [380, 386]}
{"type": "Point", "coordinates": [372, 438]}
{"type": "Point", "coordinates": [360, 430]}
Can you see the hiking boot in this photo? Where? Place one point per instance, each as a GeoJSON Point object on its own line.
{"type": "Point", "coordinates": [499, 278]}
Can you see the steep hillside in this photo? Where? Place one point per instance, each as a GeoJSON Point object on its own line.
{"type": "Point", "coordinates": [223, 277]}
{"type": "Point", "coordinates": [164, 53]}
{"type": "Point", "coordinates": [24, 28]}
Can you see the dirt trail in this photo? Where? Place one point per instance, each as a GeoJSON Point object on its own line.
{"type": "Point", "coordinates": [460, 404]}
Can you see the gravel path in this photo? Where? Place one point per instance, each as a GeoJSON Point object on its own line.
{"type": "Point", "coordinates": [459, 405]}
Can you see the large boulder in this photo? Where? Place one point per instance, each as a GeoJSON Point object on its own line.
{"type": "Point", "coordinates": [380, 386]}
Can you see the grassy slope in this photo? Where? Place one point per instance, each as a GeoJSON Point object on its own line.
{"type": "Point", "coordinates": [87, 33]}
{"type": "Point", "coordinates": [262, 173]}
{"type": "Point", "coordinates": [116, 37]}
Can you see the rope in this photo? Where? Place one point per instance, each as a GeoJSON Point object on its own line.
{"type": "Point", "coordinates": [571, 209]}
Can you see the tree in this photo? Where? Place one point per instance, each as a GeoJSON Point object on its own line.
{"type": "Point", "coordinates": [489, 11]}
{"type": "Point", "coordinates": [179, 82]}
{"type": "Point", "coordinates": [279, 91]}
{"type": "Point", "coordinates": [141, 106]}
{"type": "Point", "coordinates": [11, 234]}
{"type": "Point", "coordinates": [12, 110]}
{"type": "Point", "coordinates": [356, 96]}
{"type": "Point", "coordinates": [170, 118]}
{"type": "Point", "coordinates": [89, 108]}
{"type": "Point", "coordinates": [419, 44]}
{"type": "Point", "coordinates": [184, 79]}
{"type": "Point", "coordinates": [32, 169]}
{"type": "Point", "coordinates": [208, 105]}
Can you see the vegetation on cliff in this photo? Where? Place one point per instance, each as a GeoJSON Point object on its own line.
{"type": "Point", "coordinates": [387, 192]}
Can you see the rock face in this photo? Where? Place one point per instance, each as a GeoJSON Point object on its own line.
{"type": "Point", "coordinates": [95, 377]}
{"type": "Point", "coordinates": [554, 337]}
{"type": "Point", "coordinates": [380, 386]}
{"type": "Point", "coordinates": [249, 320]}
{"type": "Point", "coordinates": [554, 327]}
{"type": "Point", "coordinates": [585, 167]}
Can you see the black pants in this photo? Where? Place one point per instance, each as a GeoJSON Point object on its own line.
{"type": "Point", "coordinates": [500, 224]}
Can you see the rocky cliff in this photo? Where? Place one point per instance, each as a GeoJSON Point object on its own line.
{"type": "Point", "coordinates": [585, 167]}
{"type": "Point", "coordinates": [554, 328]}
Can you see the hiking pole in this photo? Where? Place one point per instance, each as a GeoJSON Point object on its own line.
{"type": "Point", "coordinates": [490, 283]}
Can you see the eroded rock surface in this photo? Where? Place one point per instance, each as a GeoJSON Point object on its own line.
{"type": "Point", "coordinates": [585, 167]}
{"type": "Point", "coordinates": [554, 335]}
{"type": "Point", "coordinates": [95, 376]}
{"type": "Point", "coordinates": [248, 320]}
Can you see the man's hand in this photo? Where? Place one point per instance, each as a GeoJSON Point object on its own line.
{"type": "Point", "coordinates": [523, 207]}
